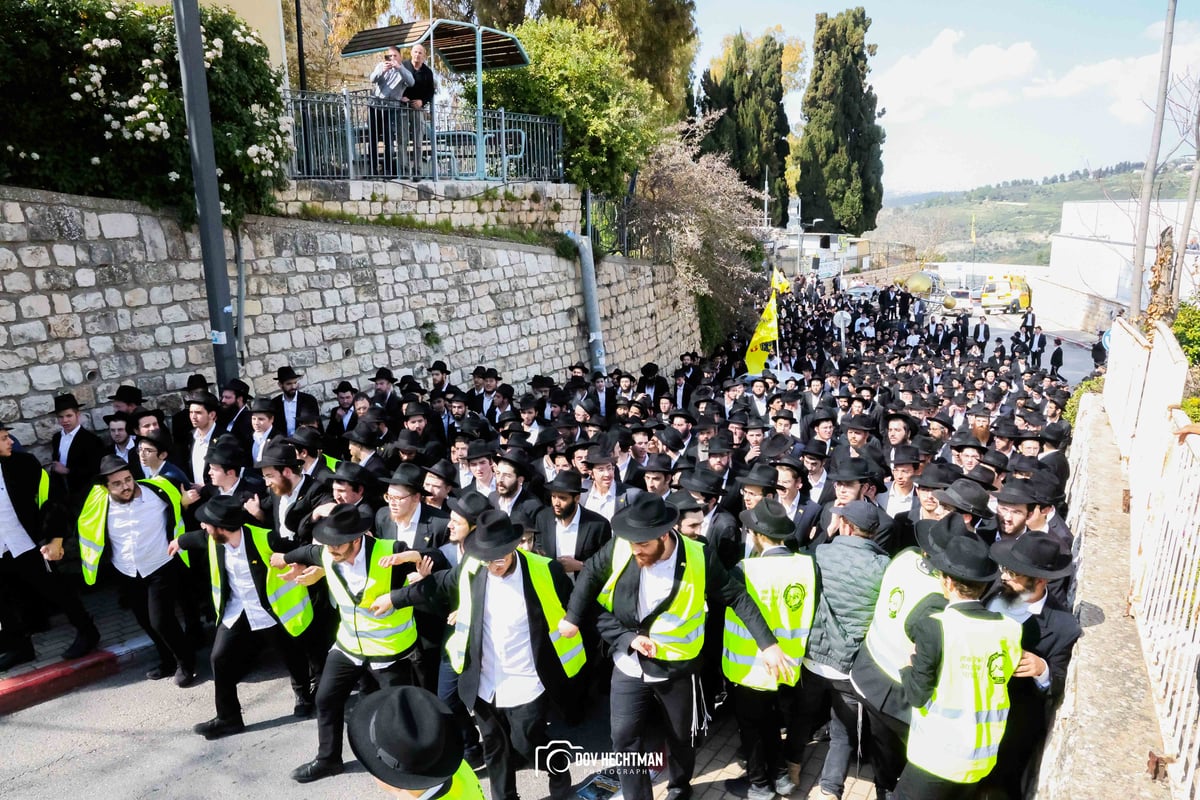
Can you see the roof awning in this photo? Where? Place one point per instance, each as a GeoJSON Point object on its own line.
{"type": "Point", "coordinates": [453, 42]}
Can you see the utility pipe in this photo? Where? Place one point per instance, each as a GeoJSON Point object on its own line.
{"type": "Point", "coordinates": [591, 301]}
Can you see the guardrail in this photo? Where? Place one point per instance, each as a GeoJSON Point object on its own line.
{"type": "Point", "coordinates": [1144, 381]}
{"type": "Point", "coordinates": [352, 135]}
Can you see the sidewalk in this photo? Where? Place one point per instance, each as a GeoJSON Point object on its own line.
{"type": "Point", "coordinates": [48, 676]}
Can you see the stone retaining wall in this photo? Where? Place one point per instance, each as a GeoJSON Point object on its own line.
{"type": "Point", "coordinates": [95, 293]}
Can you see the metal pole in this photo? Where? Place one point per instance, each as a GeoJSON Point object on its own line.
{"type": "Point", "coordinates": [503, 149]}
{"type": "Point", "coordinates": [204, 176]}
{"type": "Point", "coordinates": [480, 166]}
{"type": "Point", "coordinates": [350, 154]}
{"type": "Point", "coordinates": [766, 192]}
{"type": "Point", "coordinates": [299, 44]}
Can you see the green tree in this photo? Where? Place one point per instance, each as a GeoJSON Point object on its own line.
{"type": "Point", "coordinates": [839, 157]}
{"type": "Point", "coordinates": [580, 75]}
{"type": "Point", "coordinates": [746, 84]}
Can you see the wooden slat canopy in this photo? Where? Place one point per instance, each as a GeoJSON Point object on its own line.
{"type": "Point", "coordinates": [454, 43]}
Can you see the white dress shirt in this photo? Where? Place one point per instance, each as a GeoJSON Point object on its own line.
{"type": "Point", "coordinates": [507, 672]}
{"type": "Point", "coordinates": [566, 537]}
{"type": "Point", "coordinates": [285, 504]}
{"type": "Point", "coordinates": [199, 452]}
{"type": "Point", "coordinates": [655, 585]}
{"type": "Point", "coordinates": [603, 504]}
{"type": "Point", "coordinates": [407, 532]}
{"type": "Point", "coordinates": [64, 445]}
{"type": "Point", "coordinates": [243, 596]}
{"type": "Point", "coordinates": [289, 413]}
{"type": "Point", "coordinates": [137, 534]}
{"type": "Point", "coordinates": [13, 536]}
{"type": "Point", "coordinates": [895, 503]}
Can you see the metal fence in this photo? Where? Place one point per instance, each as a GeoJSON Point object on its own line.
{"type": "Point", "coordinates": [613, 230]}
{"type": "Point", "coordinates": [1142, 384]}
{"type": "Point", "coordinates": [352, 135]}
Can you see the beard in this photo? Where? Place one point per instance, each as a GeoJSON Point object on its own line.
{"type": "Point", "coordinates": [653, 556]}
{"type": "Point", "coordinates": [568, 512]}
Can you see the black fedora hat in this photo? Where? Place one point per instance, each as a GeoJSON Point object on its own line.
{"type": "Point", "coordinates": [480, 448]}
{"type": "Point", "coordinates": [937, 476]}
{"type": "Point", "coordinates": [817, 448]}
{"type": "Point", "coordinates": [943, 418]}
{"type": "Point", "coordinates": [647, 517]}
{"type": "Point", "coordinates": [343, 524]}
{"type": "Point", "coordinates": [227, 452]}
{"type": "Point", "coordinates": [515, 456]}
{"type": "Point", "coordinates": [349, 472]}
{"type": "Point", "coordinates": [966, 559]}
{"type": "Point", "coordinates": [683, 502]}
{"type": "Point", "coordinates": [495, 536]}
{"type": "Point", "coordinates": [966, 495]}
{"type": "Point", "coordinates": [702, 480]}
{"type": "Point", "coordinates": [852, 469]}
{"type": "Point", "coordinates": [1016, 492]}
{"type": "Point", "coordinates": [128, 394]}
{"type": "Point", "coordinates": [658, 462]}
{"type": "Point", "coordinates": [111, 465]}
{"type": "Point", "coordinates": [1035, 555]}
{"type": "Point", "coordinates": [469, 506]}
{"type": "Point", "coordinates": [445, 470]}
{"type": "Point", "coordinates": [384, 374]}
{"type": "Point", "coordinates": [286, 373]}
{"type": "Point", "coordinates": [262, 405]}
{"type": "Point", "coordinates": [66, 402]}
{"type": "Point", "coordinates": [906, 454]}
{"type": "Point", "coordinates": [307, 438]}
{"type": "Point", "coordinates": [770, 519]}
{"type": "Point", "coordinates": [934, 535]}
{"type": "Point", "coordinates": [597, 456]}
{"type": "Point", "coordinates": [763, 475]}
{"type": "Point", "coordinates": [365, 434]}
{"type": "Point", "coordinates": [406, 737]}
{"type": "Point", "coordinates": [223, 511]}
{"type": "Point", "coordinates": [238, 387]}
{"type": "Point", "coordinates": [566, 481]}
{"type": "Point", "coordinates": [407, 474]}
{"type": "Point", "coordinates": [196, 383]}
{"type": "Point", "coordinates": [278, 453]}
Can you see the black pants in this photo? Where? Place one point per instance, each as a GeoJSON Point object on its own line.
{"type": "Point", "coordinates": [447, 692]}
{"type": "Point", "coordinates": [634, 704]}
{"type": "Point", "coordinates": [234, 652]}
{"type": "Point", "coordinates": [511, 738]}
{"type": "Point", "coordinates": [338, 680]}
{"type": "Point", "coordinates": [758, 717]}
{"type": "Point", "coordinates": [152, 600]}
{"type": "Point", "coordinates": [889, 746]}
{"type": "Point", "coordinates": [26, 575]}
{"type": "Point", "coordinates": [1035, 358]}
{"type": "Point", "coordinates": [917, 784]}
{"type": "Point", "coordinates": [383, 129]}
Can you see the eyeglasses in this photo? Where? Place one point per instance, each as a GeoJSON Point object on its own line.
{"type": "Point", "coordinates": [396, 498]}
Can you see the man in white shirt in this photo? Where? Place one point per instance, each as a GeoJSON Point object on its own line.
{"type": "Point", "coordinates": [901, 496]}
{"type": "Point", "coordinates": [250, 615]}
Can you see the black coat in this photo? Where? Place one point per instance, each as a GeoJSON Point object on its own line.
{"type": "Point", "coordinates": [335, 444]}
{"type": "Point", "coordinates": [432, 527]}
{"type": "Point", "coordinates": [83, 462]}
{"type": "Point", "coordinates": [594, 533]}
{"type": "Point", "coordinates": [269, 506]}
{"type": "Point", "coordinates": [239, 425]}
{"type": "Point", "coordinates": [22, 474]}
{"type": "Point", "coordinates": [198, 540]}
{"type": "Point", "coordinates": [304, 403]}
{"type": "Point", "coordinates": [525, 510]}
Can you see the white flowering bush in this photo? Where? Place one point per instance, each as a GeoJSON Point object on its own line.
{"type": "Point", "coordinates": [91, 103]}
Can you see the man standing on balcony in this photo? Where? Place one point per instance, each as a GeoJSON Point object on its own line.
{"type": "Point", "coordinates": [418, 95]}
{"type": "Point", "coordinates": [390, 79]}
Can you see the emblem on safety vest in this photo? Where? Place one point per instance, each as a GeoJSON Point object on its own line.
{"type": "Point", "coordinates": [793, 596]}
{"type": "Point", "coordinates": [895, 602]}
{"type": "Point", "coordinates": [995, 668]}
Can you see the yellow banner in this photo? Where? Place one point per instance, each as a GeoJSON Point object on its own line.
{"type": "Point", "coordinates": [764, 338]}
{"type": "Point", "coordinates": [780, 283]}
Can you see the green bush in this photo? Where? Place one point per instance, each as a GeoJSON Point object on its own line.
{"type": "Point", "coordinates": [1090, 385]}
{"type": "Point", "coordinates": [91, 103]}
{"type": "Point", "coordinates": [1191, 407]}
{"type": "Point", "coordinates": [581, 76]}
{"type": "Point", "coordinates": [1187, 331]}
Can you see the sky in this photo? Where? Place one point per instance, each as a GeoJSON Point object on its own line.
{"type": "Point", "coordinates": [981, 92]}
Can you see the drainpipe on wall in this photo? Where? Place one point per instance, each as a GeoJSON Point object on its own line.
{"type": "Point", "coordinates": [591, 301]}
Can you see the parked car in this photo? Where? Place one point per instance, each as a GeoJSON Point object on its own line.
{"type": "Point", "coordinates": [868, 293]}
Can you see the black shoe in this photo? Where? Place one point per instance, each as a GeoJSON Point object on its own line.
{"type": "Point", "coordinates": [160, 672]}
{"type": "Point", "coordinates": [184, 677]}
{"type": "Point", "coordinates": [217, 728]}
{"type": "Point", "coordinates": [474, 757]}
{"type": "Point", "coordinates": [21, 654]}
{"type": "Point", "coordinates": [317, 769]}
{"type": "Point", "coordinates": [304, 709]}
{"type": "Point", "coordinates": [85, 642]}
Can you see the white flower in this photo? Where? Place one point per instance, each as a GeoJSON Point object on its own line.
{"type": "Point", "coordinates": [71, 81]}
{"type": "Point", "coordinates": [22, 154]}
{"type": "Point", "coordinates": [139, 135]}
{"type": "Point", "coordinates": [220, 172]}
{"type": "Point", "coordinates": [95, 160]}
{"type": "Point", "coordinates": [110, 15]}
{"type": "Point", "coordinates": [34, 156]}
{"type": "Point", "coordinates": [108, 134]}
{"type": "Point", "coordinates": [11, 148]}
{"type": "Point", "coordinates": [226, 187]}
{"type": "Point", "coordinates": [172, 176]}
{"type": "Point", "coordinates": [166, 134]}
{"type": "Point", "coordinates": [76, 96]}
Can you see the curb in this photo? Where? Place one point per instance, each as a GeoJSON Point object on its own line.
{"type": "Point", "coordinates": [55, 680]}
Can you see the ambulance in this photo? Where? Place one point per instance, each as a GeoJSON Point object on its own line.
{"type": "Point", "coordinates": [1006, 294]}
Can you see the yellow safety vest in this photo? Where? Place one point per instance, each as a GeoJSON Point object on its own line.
{"type": "Point", "coordinates": [905, 584]}
{"type": "Point", "coordinates": [570, 651]}
{"type": "Point", "coordinates": [361, 633]}
{"type": "Point", "coordinates": [93, 523]}
{"type": "Point", "coordinates": [463, 785]}
{"type": "Point", "coordinates": [956, 735]}
{"type": "Point", "coordinates": [330, 462]}
{"type": "Point", "coordinates": [43, 489]}
{"type": "Point", "coordinates": [289, 601]}
{"type": "Point", "coordinates": [678, 631]}
{"type": "Point", "coordinates": [785, 589]}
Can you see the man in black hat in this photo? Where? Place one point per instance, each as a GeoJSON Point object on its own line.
{"type": "Point", "coordinates": [75, 452]}
{"type": "Point", "coordinates": [796, 495]}
{"type": "Point", "coordinates": [202, 408]}
{"type": "Point", "coordinates": [234, 416]}
{"type": "Point", "coordinates": [291, 401]}
{"type": "Point", "coordinates": [133, 522]}
{"type": "Point", "coordinates": [309, 446]}
{"type": "Point", "coordinates": [262, 427]}
{"type": "Point", "coordinates": [858, 442]}
{"type": "Point", "coordinates": [349, 484]}
{"type": "Point", "coordinates": [511, 468]}
{"type": "Point", "coordinates": [255, 607]}
{"type": "Point", "coordinates": [280, 469]}
{"type": "Point", "coordinates": [407, 517]}
{"type": "Point", "coordinates": [1048, 634]}
{"type": "Point", "coordinates": [386, 396]}
{"type": "Point", "coordinates": [652, 615]}
{"type": "Point", "coordinates": [127, 399]}
{"type": "Point", "coordinates": [153, 449]}
{"type": "Point", "coordinates": [181, 423]}
{"type": "Point", "coordinates": [718, 524]}
{"type": "Point", "coordinates": [506, 648]}
{"type": "Point", "coordinates": [341, 419]}
{"type": "Point", "coordinates": [378, 644]}
{"type": "Point", "coordinates": [607, 495]}
{"type": "Point", "coordinates": [30, 536]}
{"type": "Point", "coordinates": [227, 476]}
{"type": "Point", "coordinates": [566, 531]}
{"type": "Point", "coordinates": [121, 443]}
{"type": "Point", "coordinates": [407, 739]}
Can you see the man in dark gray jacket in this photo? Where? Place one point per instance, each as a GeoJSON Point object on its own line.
{"type": "Point", "coordinates": [850, 568]}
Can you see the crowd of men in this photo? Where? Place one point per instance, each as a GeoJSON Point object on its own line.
{"type": "Point", "coordinates": [870, 546]}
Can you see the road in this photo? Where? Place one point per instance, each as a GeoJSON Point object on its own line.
{"type": "Point", "coordinates": [1077, 360]}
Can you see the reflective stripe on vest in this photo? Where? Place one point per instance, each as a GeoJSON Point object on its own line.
{"type": "Point", "coordinates": [289, 602]}
{"type": "Point", "coordinates": [93, 524]}
{"type": "Point", "coordinates": [956, 735]}
{"type": "Point", "coordinates": [569, 651]}
{"type": "Point", "coordinates": [360, 632]}
{"type": "Point", "coordinates": [679, 631]}
{"type": "Point", "coordinates": [904, 585]}
{"type": "Point", "coordinates": [43, 489]}
{"type": "Point", "coordinates": [785, 590]}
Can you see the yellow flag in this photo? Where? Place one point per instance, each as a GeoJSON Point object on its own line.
{"type": "Point", "coordinates": [765, 334]}
{"type": "Point", "coordinates": [780, 283]}
{"type": "Point", "coordinates": [972, 229]}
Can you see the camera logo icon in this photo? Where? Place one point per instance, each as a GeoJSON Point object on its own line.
{"type": "Point", "coordinates": [556, 756]}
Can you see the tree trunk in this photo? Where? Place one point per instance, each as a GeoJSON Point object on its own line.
{"type": "Point", "coordinates": [1188, 210]}
{"type": "Point", "coordinates": [1151, 168]}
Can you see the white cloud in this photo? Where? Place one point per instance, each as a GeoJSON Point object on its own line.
{"type": "Point", "coordinates": [941, 76]}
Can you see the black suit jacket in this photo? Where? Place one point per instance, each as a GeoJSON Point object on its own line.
{"type": "Point", "coordinates": [335, 445]}
{"type": "Point", "coordinates": [594, 533]}
{"type": "Point", "coordinates": [526, 509]}
{"type": "Point", "coordinates": [269, 506]}
{"type": "Point", "coordinates": [83, 462]}
{"type": "Point", "coordinates": [725, 538]}
{"type": "Point", "coordinates": [239, 425]}
{"type": "Point", "coordinates": [660, 385]}
{"type": "Point", "coordinates": [198, 540]}
{"type": "Point", "coordinates": [22, 475]}
{"type": "Point", "coordinates": [432, 527]}
{"type": "Point", "coordinates": [304, 403]}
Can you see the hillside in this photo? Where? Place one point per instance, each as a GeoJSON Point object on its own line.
{"type": "Point", "coordinates": [1013, 224]}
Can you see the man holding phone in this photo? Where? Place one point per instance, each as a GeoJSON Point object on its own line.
{"type": "Point", "coordinates": [390, 79]}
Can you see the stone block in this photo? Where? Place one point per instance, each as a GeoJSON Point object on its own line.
{"type": "Point", "coordinates": [155, 360]}
{"type": "Point", "coordinates": [46, 377]}
{"type": "Point", "coordinates": [27, 333]}
{"type": "Point", "coordinates": [34, 306]}
{"type": "Point", "coordinates": [190, 333]}
{"type": "Point", "coordinates": [65, 326]}
{"type": "Point", "coordinates": [35, 405]}
{"type": "Point", "coordinates": [12, 213]}
{"type": "Point", "coordinates": [13, 383]}
{"type": "Point", "coordinates": [13, 233]}
{"type": "Point", "coordinates": [34, 256]}
{"type": "Point", "coordinates": [143, 317]}
{"type": "Point", "coordinates": [118, 226]}
{"type": "Point", "coordinates": [64, 255]}
{"type": "Point", "coordinates": [174, 314]}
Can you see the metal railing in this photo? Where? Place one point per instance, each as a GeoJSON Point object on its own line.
{"type": "Point", "coordinates": [1142, 384]}
{"type": "Point", "coordinates": [352, 135]}
{"type": "Point", "coordinates": [613, 231]}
